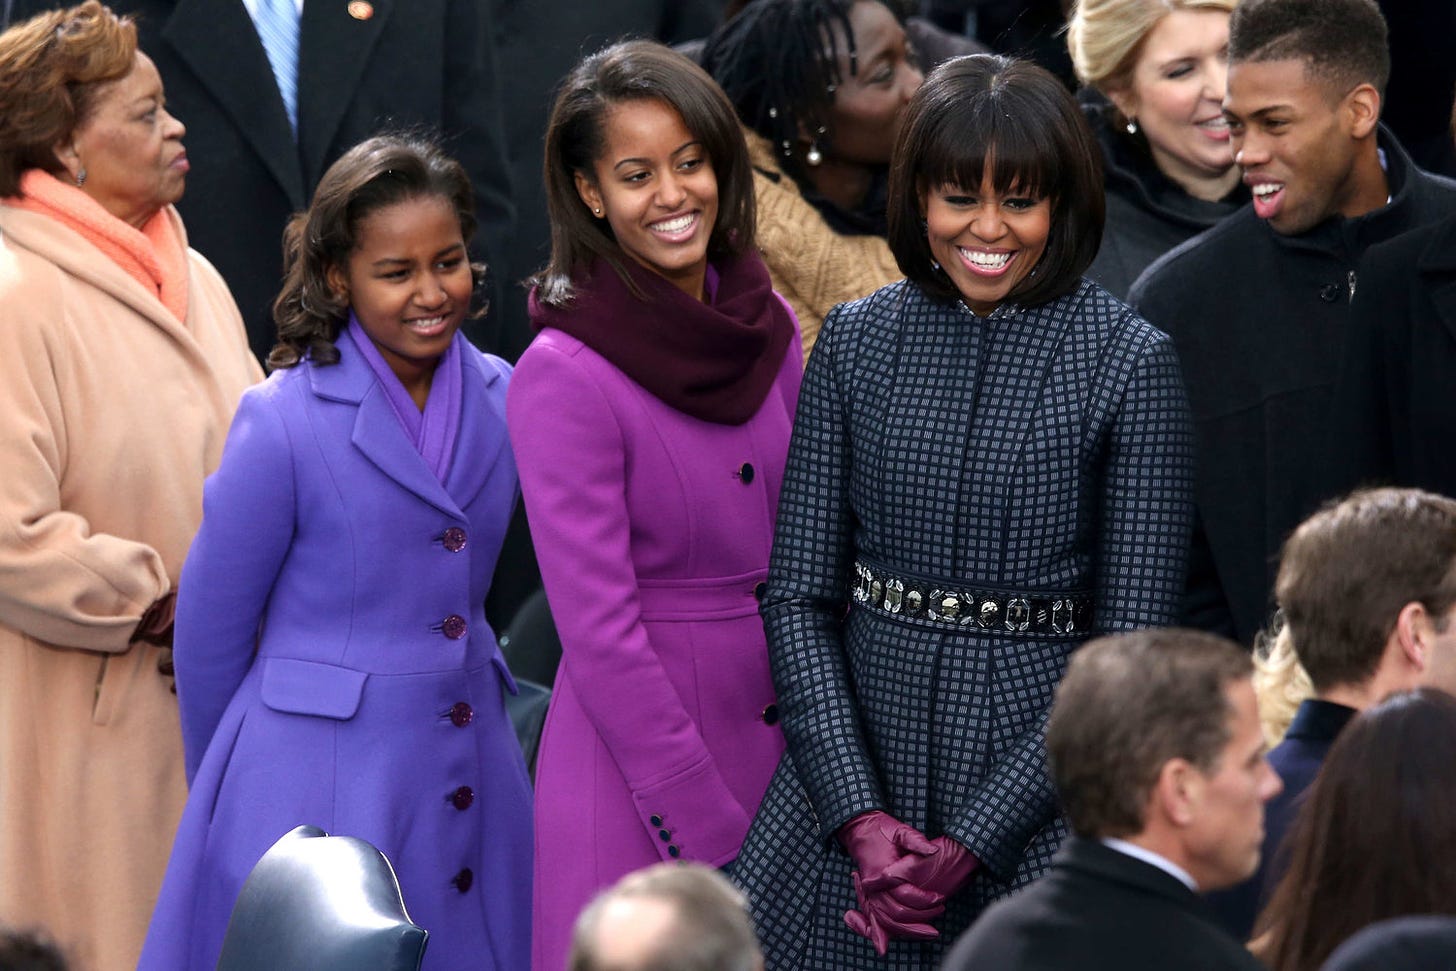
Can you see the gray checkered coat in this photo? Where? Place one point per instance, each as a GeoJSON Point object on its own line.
{"type": "Point", "coordinates": [1039, 450]}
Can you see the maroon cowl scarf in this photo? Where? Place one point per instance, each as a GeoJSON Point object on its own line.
{"type": "Point", "coordinates": [715, 359]}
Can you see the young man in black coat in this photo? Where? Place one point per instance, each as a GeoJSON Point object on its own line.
{"type": "Point", "coordinates": [1259, 305]}
{"type": "Point", "coordinates": [1158, 758]}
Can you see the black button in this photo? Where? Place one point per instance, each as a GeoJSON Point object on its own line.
{"type": "Point", "coordinates": [745, 473]}
{"type": "Point", "coordinates": [462, 798]}
{"type": "Point", "coordinates": [759, 589]}
{"type": "Point", "coordinates": [1330, 292]}
{"type": "Point", "coordinates": [655, 819]}
{"type": "Point", "coordinates": [461, 714]}
{"type": "Point", "coordinates": [454, 539]}
{"type": "Point", "coordinates": [664, 835]}
{"type": "Point", "coordinates": [673, 851]}
{"type": "Point", "coordinates": [770, 715]}
{"type": "Point", "coordinates": [454, 627]}
{"type": "Point", "coordinates": [464, 880]}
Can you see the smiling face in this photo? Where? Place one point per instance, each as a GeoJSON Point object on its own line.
{"type": "Point", "coordinates": [1296, 141]}
{"type": "Point", "coordinates": [129, 147]}
{"type": "Point", "coordinates": [868, 102]}
{"type": "Point", "coordinates": [1176, 91]}
{"type": "Point", "coordinates": [1224, 839]}
{"type": "Point", "coordinates": [409, 283]}
{"type": "Point", "coordinates": [986, 242]}
{"type": "Point", "coordinates": [655, 187]}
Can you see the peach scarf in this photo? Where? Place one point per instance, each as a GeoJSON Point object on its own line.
{"type": "Point", "coordinates": [154, 256]}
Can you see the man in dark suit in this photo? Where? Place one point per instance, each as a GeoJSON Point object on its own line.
{"type": "Point", "coordinates": [1158, 759]}
{"type": "Point", "coordinates": [361, 67]}
{"type": "Point", "coordinates": [1367, 587]}
{"type": "Point", "coordinates": [1259, 305]}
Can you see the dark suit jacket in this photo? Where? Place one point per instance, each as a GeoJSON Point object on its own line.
{"type": "Point", "coordinates": [1099, 910]}
{"type": "Point", "coordinates": [1425, 943]}
{"type": "Point", "coordinates": [1393, 405]}
{"type": "Point", "coordinates": [1297, 760]}
{"type": "Point", "coordinates": [411, 63]}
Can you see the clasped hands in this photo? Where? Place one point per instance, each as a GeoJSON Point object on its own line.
{"type": "Point", "coordinates": [901, 878]}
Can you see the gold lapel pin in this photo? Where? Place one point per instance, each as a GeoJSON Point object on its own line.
{"type": "Point", "coordinates": [361, 9]}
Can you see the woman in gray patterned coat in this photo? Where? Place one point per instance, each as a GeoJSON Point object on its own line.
{"type": "Point", "coordinates": [991, 463]}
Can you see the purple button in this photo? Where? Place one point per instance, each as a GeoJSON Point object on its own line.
{"type": "Point", "coordinates": [462, 798]}
{"type": "Point", "coordinates": [464, 880]}
{"type": "Point", "coordinates": [454, 627]}
{"type": "Point", "coordinates": [454, 539]}
{"type": "Point", "coordinates": [461, 714]}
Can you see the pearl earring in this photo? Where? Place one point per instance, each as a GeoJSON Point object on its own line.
{"type": "Point", "coordinates": [1132, 128]}
{"type": "Point", "coordinates": [813, 156]}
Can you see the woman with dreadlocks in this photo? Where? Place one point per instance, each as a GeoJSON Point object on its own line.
{"type": "Point", "coordinates": [820, 86]}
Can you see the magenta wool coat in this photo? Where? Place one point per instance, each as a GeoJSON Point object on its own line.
{"type": "Point", "coordinates": [653, 531]}
{"type": "Point", "coordinates": [371, 705]}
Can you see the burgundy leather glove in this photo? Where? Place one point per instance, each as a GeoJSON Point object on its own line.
{"type": "Point", "coordinates": [155, 627]}
{"type": "Point", "coordinates": [939, 874]}
{"type": "Point", "coordinates": [877, 841]}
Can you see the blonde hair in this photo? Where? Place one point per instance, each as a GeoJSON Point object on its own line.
{"type": "Point", "coordinates": [1280, 683]}
{"type": "Point", "coordinates": [1105, 37]}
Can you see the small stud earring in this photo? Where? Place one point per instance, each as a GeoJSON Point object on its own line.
{"type": "Point", "coordinates": [81, 177]}
{"type": "Point", "coordinates": [1132, 128]}
{"type": "Point", "coordinates": [813, 156]}
{"type": "Point", "coordinates": [597, 211]}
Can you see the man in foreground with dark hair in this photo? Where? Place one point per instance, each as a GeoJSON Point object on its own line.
{"type": "Point", "coordinates": [1259, 305]}
{"type": "Point", "coordinates": [667, 917]}
{"type": "Point", "coordinates": [1368, 590]}
{"type": "Point", "coordinates": [1158, 759]}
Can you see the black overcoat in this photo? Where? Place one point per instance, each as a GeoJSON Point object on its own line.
{"type": "Point", "coordinates": [1261, 321]}
{"type": "Point", "coordinates": [1038, 450]}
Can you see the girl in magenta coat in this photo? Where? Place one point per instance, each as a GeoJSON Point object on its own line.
{"type": "Point", "coordinates": [651, 420]}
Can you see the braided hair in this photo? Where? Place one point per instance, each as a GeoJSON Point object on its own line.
{"type": "Point", "coordinates": [778, 62]}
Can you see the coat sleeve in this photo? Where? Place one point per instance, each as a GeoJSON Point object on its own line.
{"type": "Point", "coordinates": [61, 581]}
{"type": "Point", "coordinates": [813, 266]}
{"type": "Point", "coordinates": [571, 456]}
{"type": "Point", "coordinates": [248, 517]}
{"type": "Point", "coordinates": [1145, 515]}
{"type": "Point", "coordinates": [804, 606]}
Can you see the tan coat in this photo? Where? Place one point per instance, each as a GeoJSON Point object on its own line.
{"type": "Point", "coordinates": [111, 415]}
{"type": "Point", "coordinates": [811, 265]}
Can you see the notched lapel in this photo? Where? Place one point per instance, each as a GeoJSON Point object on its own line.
{"type": "Point", "coordinates": [217, 41]}
{"type": "Point", "coordinates": [377, 433]}
{"type": "Point", "coordinates": [334, 49]}
{"type": "Point", "coordinates": [483, 420]}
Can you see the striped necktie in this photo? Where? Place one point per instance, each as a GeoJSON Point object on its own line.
{"type": "Point", "coordinates": [277, 24]}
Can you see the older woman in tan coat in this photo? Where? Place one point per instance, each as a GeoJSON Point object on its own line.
{"type": "Point", "coordinates": [124, 357]}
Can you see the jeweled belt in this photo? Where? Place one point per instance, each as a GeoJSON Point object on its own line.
{"type": "Point", "coordinates": [944, 605]}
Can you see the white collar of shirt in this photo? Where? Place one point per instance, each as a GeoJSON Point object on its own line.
{"type": "Point", "coordinates": [1151, 858]}
{"type": "Point", "coordinates": [252, 8]}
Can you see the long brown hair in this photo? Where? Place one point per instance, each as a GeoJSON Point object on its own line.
{"type": "Point", "coordinates": [1375, 836]}
{"type": "Point", "coordinates": [576, 137]}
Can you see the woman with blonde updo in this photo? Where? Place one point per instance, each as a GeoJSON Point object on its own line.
{"type": "Point", "coordinates": [1155, 72]}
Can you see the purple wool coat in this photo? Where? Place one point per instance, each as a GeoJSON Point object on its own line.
{"type": "Point", "coordinates": [373, 705]}
{"type": "Point", "coordinates": [653, 531]}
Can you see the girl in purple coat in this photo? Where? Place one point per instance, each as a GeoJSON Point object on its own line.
{"type": "Point", "coordinates": [651, 419]}
{"type": "Point", "coordinates": [334, 664]}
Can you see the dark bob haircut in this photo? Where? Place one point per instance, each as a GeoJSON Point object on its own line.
{"type": "Point", "coordinates": [375, 174]}
{"type": "Point", "coordinates": [981, 111]}
{"type": "Point", "coordinates": [576, 138]}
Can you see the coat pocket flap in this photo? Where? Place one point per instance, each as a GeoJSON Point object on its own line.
{"type": "Point", "coordinates": [310, 688]}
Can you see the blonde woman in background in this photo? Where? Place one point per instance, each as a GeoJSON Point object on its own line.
{"type": "Point", "coordinates": [1155, 72]}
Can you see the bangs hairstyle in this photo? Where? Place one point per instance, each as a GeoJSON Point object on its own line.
{"type": "Point", "coordinates": [634, 70]}
{"type": "Point", "coordinates": [373, 175]}
{"type": "Point", "coordinates": [985, 110]}
{"type": "Point", "coordinates": [52, 67]}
